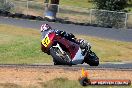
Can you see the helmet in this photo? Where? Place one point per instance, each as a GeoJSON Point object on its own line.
{"type": "Point", "coordinates": [45, 27]}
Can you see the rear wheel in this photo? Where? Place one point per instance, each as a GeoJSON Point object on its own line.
{"type": "Point", "coordinates": [92, 59]}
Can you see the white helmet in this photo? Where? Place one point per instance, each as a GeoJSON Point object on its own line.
{"type": "Point", "coordinates": [45, 27]}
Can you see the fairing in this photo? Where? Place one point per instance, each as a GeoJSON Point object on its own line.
{"type": "Point", "coordinates": [71, 47]}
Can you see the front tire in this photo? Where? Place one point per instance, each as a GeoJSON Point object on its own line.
{"type": "Point", "coordinates": [58, 60]}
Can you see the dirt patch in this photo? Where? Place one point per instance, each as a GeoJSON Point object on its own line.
{"type": "Point", "coordinates": [33, 76]}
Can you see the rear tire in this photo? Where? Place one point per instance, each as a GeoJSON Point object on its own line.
{"type": "Point", "coordinates": [92, 59]}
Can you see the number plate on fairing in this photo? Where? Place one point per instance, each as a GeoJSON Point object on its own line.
{"type": "Point", "coordinates": [46, 41]}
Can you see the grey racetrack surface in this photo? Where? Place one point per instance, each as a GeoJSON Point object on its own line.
{"type": "Point", "coordinates": [106, 66]}
{"type": "Point", "coordinates": [108, 33]}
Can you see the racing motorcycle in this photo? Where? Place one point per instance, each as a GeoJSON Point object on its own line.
{"type": "Point", "coordinates": [65, 52]}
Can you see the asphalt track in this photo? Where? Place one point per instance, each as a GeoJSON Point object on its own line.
{"type": "Point", "coordinates": [106, 66]}
{"type": "Point", "coordinates": [114, 34]}
{"type": "Point", "coordinates": [108, 33]}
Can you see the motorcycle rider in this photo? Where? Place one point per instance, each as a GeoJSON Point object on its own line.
{"type": "Point", "coordinates": [45, 28]}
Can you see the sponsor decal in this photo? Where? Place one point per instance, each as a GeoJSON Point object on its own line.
{"type": "Point", "coordinates": [84, 80]}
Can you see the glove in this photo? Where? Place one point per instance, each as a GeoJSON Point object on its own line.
{"type": "Point", "coordinates": [71, 36]}
{"type": "Point", "coordinates": [58, 32]}
{"type": "Point", "coordinates": [62, 33]}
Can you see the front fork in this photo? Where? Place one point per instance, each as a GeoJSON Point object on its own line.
{"type": "Point", "coordinates": [63, 54]}
{"type": "Point", "coordinates": [58, 46]}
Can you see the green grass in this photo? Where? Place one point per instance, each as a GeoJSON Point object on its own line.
{"type": "Point", "coordinates": [77, 3]}
{"type": "Point", "coordinates": [22, 46]}
{"type": "Point", "coordinates": [13, 85]}
{"type": "Point", "coordinates": [9, 85]}
{"type": "Point", "coordinates": [58, 83]}
{"type": "Point", "coordinates": [65, 83]}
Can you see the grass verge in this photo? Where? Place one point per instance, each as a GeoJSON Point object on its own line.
{"type": "Point", "coordinates": [58, 83]}
{"type": "Point", "coordinates": [65, 83]}
{"type": "Point", "coordinates": [9, 85]}
{"type": "Point", "coordinates": [22, 46]}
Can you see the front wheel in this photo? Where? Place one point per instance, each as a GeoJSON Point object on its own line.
{"type": "Point", "coordinates": [56, 62]}
{"type": "Point", "coordinates": [92, 59]}
{"type": "Point", "coordinates": [58, 58]}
